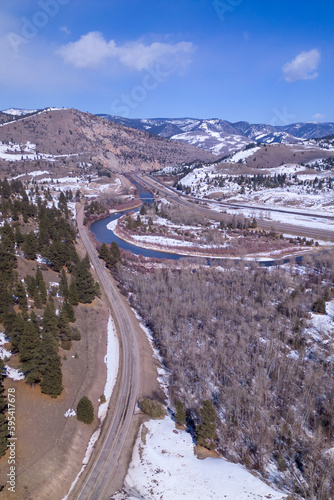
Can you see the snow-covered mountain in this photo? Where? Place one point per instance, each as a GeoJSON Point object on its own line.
{"type": "Point", "coordinates": [222, 137]}
{"type": "Point", "coordinates": [215, 135]}
{"type": "Point", "coordinates": [19, 112]}
{"type": "Point", "coordinates": [309, 130]}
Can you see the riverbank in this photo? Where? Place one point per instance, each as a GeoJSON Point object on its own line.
{"type": "Point", "coordinates": [274, 256]}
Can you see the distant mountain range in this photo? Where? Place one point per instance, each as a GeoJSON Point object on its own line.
{"type": "Point", "coordinates": [222, 137]}
{"type": "Point", "coordinates": [218, 137]}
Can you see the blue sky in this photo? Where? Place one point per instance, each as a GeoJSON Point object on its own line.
{"type": "Point", "coordinates": [254, 60]}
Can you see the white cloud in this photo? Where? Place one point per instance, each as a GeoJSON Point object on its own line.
{"type": "Point", "coordinates": [303, 67]}
{"type": "Point", "coordinates": [319, 117]}
{"type": "Point", "coordinates": [88, 52]}
{"type": "Point", "coordinates": [138, 56]}
{"type": "Point", "coordinates": [65, 30]}
{"type": "Point", "coordinates": [92, 50]}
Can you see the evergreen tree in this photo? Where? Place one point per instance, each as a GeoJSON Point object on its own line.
{"type": "Point", "coordinates": [64, 329]}
{"type": "Point", "coordinates": [29, 340]}
{"type": "Point", "coordinates": [40, 285]}
{"type": "Point", "coordinates": [85, 410]}
{"type": "Point", "coordinates": [19, 238]}
{"type": "Point", "coordinates": [43, 234]}
{"type": "Point", "coordinates": [73, 295]}
{"type": "Point", "coordinates": [37, 298]}
{"type": "Point", "coordinates": [62, 203]}
{"type": "Point", "coordinates": [29, 246]}
{"type": "Point", "coordinates": [50, 320]}
{"type": "Point", "coordinates": [115, 253]}
{"type": "Point", "coordinates": [180, 414]}
{"type": "Point", "coordinates": [20, 293]}
{"type": "Point", "coordinates": [50, 365]}
{"type": "Point", "coordinates": [15, 328]}
{"type": "Point", "coordinates": [97, 289]}
{"type": "Point", "coordinates": [29, 350]}
{"type": "Point", "coordinates": [8, 262]}
{"type": "Point", "coordinates": [7, 237]}
{"type": "Point", "coordinates": [58, 254]}
{"type": "Point", "coordinates": [143, 209]}
{"type": "Point", "coordinates": [31, 285]}
{"type": "Point", "coordinates": [319, 306]}
{"type": "Point", "coordinates": [206, 430]}
{"type": "Point", "coordinates": [63, 285]}
{"type": "Point", "coordinates": [69, 311]}
{"type": "Point", "coordinates": [104, 253]}
{"type": "Point", "coordinates": [85, 282]}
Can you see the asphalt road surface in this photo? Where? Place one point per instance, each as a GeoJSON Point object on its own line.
{"type": "Point", "coordinates": [95, 482]}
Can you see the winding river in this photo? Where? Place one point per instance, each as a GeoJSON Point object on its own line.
{"type": "Point", "coordinates": [105, 235]}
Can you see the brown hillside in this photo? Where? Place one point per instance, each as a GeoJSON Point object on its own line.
{"type": "Point", "coordinates": [68, 131]}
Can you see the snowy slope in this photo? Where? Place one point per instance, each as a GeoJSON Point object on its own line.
{"type": "Point", "coordinates": [164, 467]}
{"type": "Point", "coordinates": [18, 112]}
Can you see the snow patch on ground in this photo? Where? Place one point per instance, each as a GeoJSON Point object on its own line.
{"type": "Point", "coordinates": [112, 361]}
{"type": "Point", "coordinates": [322, 324]}
{"type": "Point", "coordinates": [70, 413]}
{"type": "Point", "coordinates": [90, 449]}
{"type": "Point", "coordinates": [169, 242]}
{"type": "Point", "coordinates": [13, 373]}
{"type": "Point", "coordinates": [112, 225]}
{"type": "Point", "coordinates": [3, 351]}
{"type": "Point", "coordinates": [166, 468]}
{"type": "Point", "coordinates": [243, 155]}
{"type": "Point", "coordinates": [10, 372]}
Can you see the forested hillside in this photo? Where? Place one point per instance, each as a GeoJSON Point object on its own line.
{"type": "Point", "coordinates": [241, 338]}
{"type": "Point", "coordinates": [34, 230]}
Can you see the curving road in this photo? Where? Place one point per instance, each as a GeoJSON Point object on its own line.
{"type": "Point", "coordinates": [95, 482]}
{"type": "Point", "coordinates": [196, 204]}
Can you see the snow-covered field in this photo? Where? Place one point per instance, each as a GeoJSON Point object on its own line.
{"type": "Point", "coordinates": [164, 467]}
{"type": "Point", "coordinates": [18, 152]}
{"type": "Point", "coordinates": [206, 181]}
{"type": "Point", "coordinates": [288, 218]}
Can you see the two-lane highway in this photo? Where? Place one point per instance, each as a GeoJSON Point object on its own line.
{"type": "Point", "coordinates": [95, 482]}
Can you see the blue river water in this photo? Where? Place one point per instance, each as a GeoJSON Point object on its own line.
{"type": "Point", "coordinates": [105, 235]}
